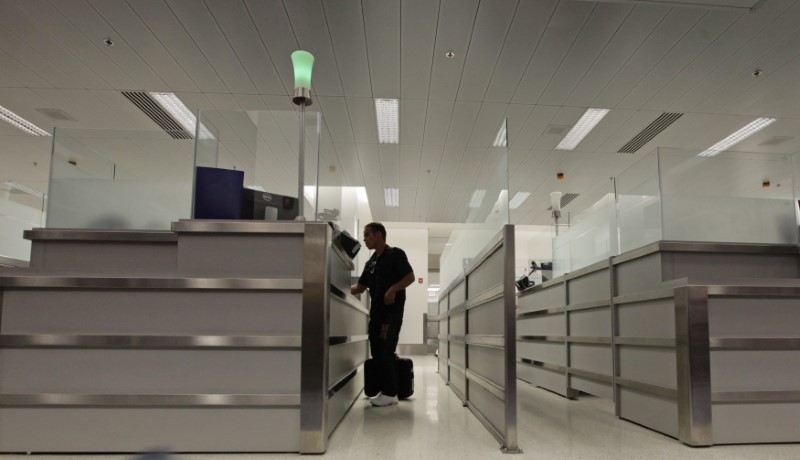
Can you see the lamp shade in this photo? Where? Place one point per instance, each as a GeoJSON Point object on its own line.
{"type": "Point", "coordinates": [303, 62]}
{"type": "Point", "coordinates": [555, 200]}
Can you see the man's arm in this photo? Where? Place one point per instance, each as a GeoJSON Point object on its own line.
{"type": "Point", "coordinates": [404, 282]}
{"type": "Point", "coordinates": [357, 289]}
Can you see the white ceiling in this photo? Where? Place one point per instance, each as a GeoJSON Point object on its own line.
{"type": "Point", "coordinates": [538, 63]}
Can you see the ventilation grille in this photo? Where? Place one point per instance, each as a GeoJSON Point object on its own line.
{"type": "Point", "coordinates": [652, 130]}
{"type": "Point", "coordinates": [151, 108]}
{"type": "Point", "coordinates": [565, 200]}
{"type": "Point", "coordinates": [55, 114]}
{"type": "Point", "coordinates": [776, 140]}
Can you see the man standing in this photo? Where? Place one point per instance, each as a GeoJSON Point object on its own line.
{"type": "Point", "coordinates": [387, 274]}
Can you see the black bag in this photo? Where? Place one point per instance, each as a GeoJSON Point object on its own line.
{"type": "Point", "coordinates": [404, 368]}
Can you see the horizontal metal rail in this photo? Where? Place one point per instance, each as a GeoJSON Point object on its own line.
{"type": "Point", "coordinates": [144, 400]}
{"type": "Point", "coordinates": [148, 341]}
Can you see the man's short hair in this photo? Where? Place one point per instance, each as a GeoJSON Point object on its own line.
{"type": "Point", "coordinates": [377, 227]}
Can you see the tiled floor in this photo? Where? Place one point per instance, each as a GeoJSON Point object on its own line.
{"type": "Point", "coordinates": [434, 425]}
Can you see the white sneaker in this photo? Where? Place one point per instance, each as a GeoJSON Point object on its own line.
{"type": "Point", "coordinates": [372, 398]}
{"type": "Point", "coordinates": [384, 400]}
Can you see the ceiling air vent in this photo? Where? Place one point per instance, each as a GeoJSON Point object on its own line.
{"type": "Point", "coordinates": [565, 200]}
{"type": "Point", "coordinates": [652, 130]}
{"type": "Point", "coordinates": [151, 108]}
{"type": "Point", "coordinates": [776, 140]}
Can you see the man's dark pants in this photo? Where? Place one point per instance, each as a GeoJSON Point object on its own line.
{"type": "Point", "coordinates": [384, 332]}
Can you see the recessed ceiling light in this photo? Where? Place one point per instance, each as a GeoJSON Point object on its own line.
{"type": "Point", "coordinates": [500, 140]}
{"type": "Point", "coordinates": [587, 122]}
{"type": "Point", "coordinates": [477, 198]}
{"type": "Point", "coordinates": [387, 113]}
{"type": "Point", "coordinates": [178, 110]}
{"type": "Point", "coordinates": [21, 123]}
{"type": "Point", "coordinates": [753, 127]}
{"type": "Point", "coordinates": [108, 41]}
{"type": "Point", "coordinates": [449, 55]}
{"type": "Point", "coordinates": [392, 196]}
{"type": "Point", "coordinates": [518, 199]}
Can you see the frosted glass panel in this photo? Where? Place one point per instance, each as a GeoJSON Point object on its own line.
{"type": "Point", "coordinates": [119, 179]}
{"type": "Point", "coordinates": [639, 204]}
{"type": "Point", "coordinates": [478, 205]}
{"type": "Point", "coordinates": [20, 210]}
{"type": "Point", "coordinates": [561, 252]}
{"type": "Point", "coordinates": [593, 231]}
{"type": "Point", "coordinates": [723, 198]}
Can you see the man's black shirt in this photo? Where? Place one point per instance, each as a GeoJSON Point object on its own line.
{"type": "Point", "coordinates": [380, 273]}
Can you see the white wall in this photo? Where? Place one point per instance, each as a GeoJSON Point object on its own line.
{"type": "Point", "coordinates": [414, 241]}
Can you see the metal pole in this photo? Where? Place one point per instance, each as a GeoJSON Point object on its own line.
{"type": "Point", "coordinates": [301, 164]}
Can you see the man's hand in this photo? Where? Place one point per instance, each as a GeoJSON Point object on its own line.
{"type": "Point", "coordinates": [388, 298]}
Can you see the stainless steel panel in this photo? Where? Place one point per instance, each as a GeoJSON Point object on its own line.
{"type": "Point", "coordinates": [655, 366]}
{"type": "Point", "coordinates": [646, 342]}
{"type": "Point", "coordinates": [588, 305]}
{"type": "Point", "coordinates": [591, 286]}
{"type": "Point", "coordinates": [345, 319]}
{"type": "Point", "coordinates": [196, 429]}
{"type": "Point", "coordinates": [458, 295]}
{"type": "Point", "coordinates": [546, 352]}
{"type": "Point", "coordinates": [136, 371]}
{"type": "Point", "coordinates": [638, 275]}
{"type": "Point", "coordinates": [754, 343]}
{"type": "Point", "coordinates": [636, 253]}
{"type": "Point", "coordinates": [595, 322]}
{"type": "Point", "coordinates": [551, 325]}
{"type": "Point", "coordinates": [775, 288]}
{"type": "Point", "coordinates": [491, 341]}
{"type": "Point", "coordinates": [344, 358]}
{"type": "Point", "coordinates": [458, 353]}
{"type": "Point", "coordinates": [587, 270]}
{"type": "Point", "coordinates": [535, 313]}
{"type": "Point", "coordinates": [458, 382]}
{"type": "Point", "coordinates": [339, 404]}
{"type": "Point", "coordinates": [458, 324]}
{"type": "Point", "coordinates": [496, 390]}
{"type": "Point", "coordinates": [487, 252]}
{"type": "Point", "coordinates": [654, 318]}
{"type": "Point", "coordinates": [145, 400]}
{"type": "Point", "coordinates": [754, 370]}
{"type": "Point", "coordinates": [63, 234]}
{"type": "Point", "coordinates": [756, 422]}
{"type": "Point", "coordinates": [491, 410]}
{"type": "Point", "coordinates": [489, 364]}
{"type": "Point", "coordinates": [584, 374]}
{"type": "Point", "coordinates": [549, 297]}
{"type": "Point", "coordinates": [159, 312]}
{"type": "Point", "coordinates": [150, 283]}
{"type": "Point", "coordinates": [489, 318]}
{"type": "Point", "coordinates": [758, 316]}
{"type": "Point", "coordinates": [718, 268]}
{"type": "Point", "coordinates": [596, 387]}
{"type": "Point", "coordinates": [246, 255]}
{"type": "Point", "coordinates": [485, 275]}
{"type": "Point", "coordinates": [148, 341]}
{"type": "Point", "coordinates": [727, 397]}
{"type": "Point", "coordinates": [649, 409]}
{"type": "Point", "coordinates": [693, 365]}
{"type": "Point", "coordinates": [588, 340]}
{"type": "Point", "coordinates": [314, 374]}
{"type": "Point", "coordinates": [486, 296]}
{"type": "Point", "coordinates": [237, 226]}
{"type": "Point", "coordinates": [593, 358]}
{"type": "Point", "coordinates": [11, 262]}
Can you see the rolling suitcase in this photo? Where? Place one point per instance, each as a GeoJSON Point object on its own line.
{"type": "Point", "coordinates": [405, 378]}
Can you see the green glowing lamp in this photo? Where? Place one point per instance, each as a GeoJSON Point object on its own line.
{"type": "Point", "coordinates": [303, 62]}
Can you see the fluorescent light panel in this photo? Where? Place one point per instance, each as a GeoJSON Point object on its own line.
{"type": "Point", "coordinates": [500, 140]}
{"type": "Point", "coordinates": [518, 199]}
{"type": "Point", "coordinates": [21, 123]}
{"type": "Point", "coordinates": [392, 196]}
{"type": "Point", "coordinates": [387, 113]}
{"type": "Point", "coordinates": [178, 110]}
{"type": "Point", "coordinates": [584, 126]}
{"type": "Point", "coordinates": [23, 188]}
{"type": "Point", "coordinates": [753, 127]}
{"type": "Point", "coordinates": [477, 198]}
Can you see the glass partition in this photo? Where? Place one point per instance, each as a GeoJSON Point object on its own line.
{"type": "Point", "coordinates": [639, 204]}
{"type": "Point", "coordinates": [264, 144]}
{"type": "Point", "coordinates": [732, 197]}
{"type": "Point", "coordinates": [22, 205]}
{"type": "Point", "coordinates": [111, 179]}
{"type": "Point", "coordinates": [480, 208]}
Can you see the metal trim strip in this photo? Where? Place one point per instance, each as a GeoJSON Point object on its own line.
{"type": "Point", "coordinates": [486, 340]}
{"type": "Point", "coordinates": [658, 390]}
{"type": "Point", "coordinates": [637, 253]}
{"type": "Point", "coordinates": [343, 381]}
{"type": "Point", "coordinates": [541, 338]}
{"type": "Point", "coordinates": [644, 296]}
{"type": "Point", "coordinates": [588, 339]}
{"type": "Point", "coordinates": [542, 365]}
{"type": "Point", "coordinates": [496, 390]}
{"type": "Point", "coordinates": [511, 443]}
{"type": "Point", "coordinates": [655, 342]}
{"type": "Point", "coordinates": [132, 236]}
{"type": "Point", "coordinates": [458, 393]}
{"type": "Point", "coordinates": [60, 282]}
{"type": "Point", "coordinates": [457, 367]}
{"type": "Point", "coordinates": [239, 226]}
{"type": "Point", "coordinates": [732, 397]}
{"type": "Point", "coordinates": [486, 423]}
{"type": "Point", "coordinates": [446, 291]}
{"type": "Point", "coordinates": [589, 305]}
{"type": "Point", "coordinates": [535, 313]}
{"type": "Point", "coordinates": [754, 343]}
{"type": "Point", "coordinates": [493, 293]}
{"type": "Point", "coordinates": [763, 291]}
{"type": "Point", "coordinates": [457, 338]}
{"type": "Point", "coordinates": [590, 375]}
{"type": "Point", "coordinates": [458, 309]}
{"type": "Point", "coordinates": [145, 400]}
{"type": "Point", "coordinates": [343, 339]}
{"type": "Point", "coordinates": [148, 341]}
